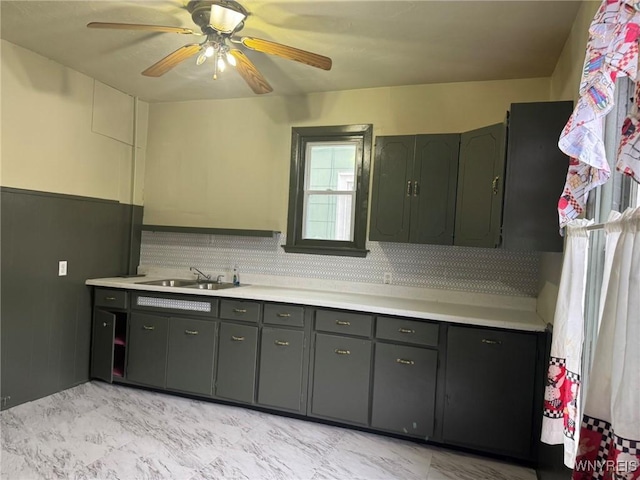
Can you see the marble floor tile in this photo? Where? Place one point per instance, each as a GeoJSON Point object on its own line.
{"type": "Point", "coordinates": [102, 431]}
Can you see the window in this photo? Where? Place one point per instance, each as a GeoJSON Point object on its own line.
{"type": "Point", "coordinates": [329, 190]}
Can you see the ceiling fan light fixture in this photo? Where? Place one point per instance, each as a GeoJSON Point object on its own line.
{"type": "Point", "coordinates": [208, 52]}
{"type": "Point", "coordinates": [231, 60]}
{"type": "Point", "coordinates": [221, 64]}
{"type": "Point", "coordinates": [224, 19]}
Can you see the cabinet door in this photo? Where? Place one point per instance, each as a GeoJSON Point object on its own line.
{"type": "Point", "coordinates": [433, 202]}
{"type": "Point", "coordinates": [341, 378]}
{"type": "Point", "coordinates": [480, 191]}
{"type": "Point", "coordinates": [536, 172]}
{"type": "Point", "coordinates": [411, 371]}
{"type": "Point", "coordinates": [104, 327]}
{"type": "Point", "coordinates": [237, 353]}
{"type": "Point", "coordinates": [489, 395]}
{"type": "Point", "coordinates": [392, 188]}
{"type": "Point", "coordinates": [191, 354]}
{"type": "Point", "coordinates": [147, 358]}
{"type": "Point", "coordinates": [281, 363]}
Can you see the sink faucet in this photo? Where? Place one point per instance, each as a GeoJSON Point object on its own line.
{"type": "Point", "coordinates": [219, 278]}
{"type": "Point", "coordinates": [199, 273]}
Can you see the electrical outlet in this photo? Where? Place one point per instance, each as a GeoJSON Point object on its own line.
{"type": "Point", "coordinates": [62, 268]}
{"type": "Point", "coordinates": [387, 278]}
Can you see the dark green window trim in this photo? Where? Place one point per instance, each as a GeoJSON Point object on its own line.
{"type": "Point", "coordinates": [300, 136]}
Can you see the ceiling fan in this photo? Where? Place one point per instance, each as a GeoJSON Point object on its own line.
{"type": "Point", "coordinates": [220, 21]}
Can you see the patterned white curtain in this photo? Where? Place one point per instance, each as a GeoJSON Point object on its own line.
{"type": "Point", "coordinates": [609, 446]}
{"type": "Point", "coordinates": [562, 390]}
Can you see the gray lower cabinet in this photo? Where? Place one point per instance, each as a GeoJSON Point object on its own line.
{"type": "Point", "coordinates": [191, 355]}
{"type": "Point", "coordinates": [404, 389]}
{"type": "Point", "coordinates": [489, 390]}
{"type": "Point", "coordinates": [341, 372]}
{"type": "Point", "coordinates": [147, 358]}
{"type": "Point", "coordinates": [104, 328]}
{"type": "Point", "coordinates": [237, 355]}
{"type": "Point", "coordinates": [282, 369]}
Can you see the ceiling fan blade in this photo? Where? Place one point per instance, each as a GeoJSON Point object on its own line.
{"type": "Point", "coordinates": [138, 26]}
{"type": "Point", "coordinates": [250, 73]}
{"type": "Point", "coordinates": [284, 51]}
{"type": "Point", "coordinates": [171, 60]}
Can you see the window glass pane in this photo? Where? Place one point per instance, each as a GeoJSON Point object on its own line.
{"type": "Point", "coordinates": [331, 166]}
{"type": "Point", "coordinates": [328, 217]}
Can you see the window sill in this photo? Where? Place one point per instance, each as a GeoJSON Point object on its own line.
{"type": "Point", "coordinates": [315, 250]}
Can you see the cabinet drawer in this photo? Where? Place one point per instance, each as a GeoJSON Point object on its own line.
{"type": "Point", "coordinates": [240, 310]}
{"type": "Point", "coordinates": [276, 314]}
{"type": "Point", "coordinates": [347, 323]}
{"type": "Point", "coordinates": [407, 331]}
{"type": "Point", "coordinates": [107, 297]}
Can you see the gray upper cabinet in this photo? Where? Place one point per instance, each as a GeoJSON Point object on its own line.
{"type": "Point", "coordinates": [414, 188]}
{"type": "Point", "coordinates": [282, 368]}
{"type": "Point", "coordinates": [237, 355]}
{"type": "Point", "coordinates": [412, 371]}
{"type": "Point", "coordinates": [480, 187]}
{"type": "Point", "coordinates": [536, 172]}
{"type": "Point", "coordinates": [147, 358]}
{"type": "Point", "coordinates": [489, 397]}
{"type": "Point", "coordinates": [191, 355]}
{"type": "Point", "coordinates": [341, 372]}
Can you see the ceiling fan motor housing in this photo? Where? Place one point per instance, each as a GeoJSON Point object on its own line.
{"type": "Point", "coordinates": [201, 13]}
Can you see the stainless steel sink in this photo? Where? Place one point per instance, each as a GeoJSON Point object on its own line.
{"type": "Point", "coordinates": [211, 286]}
{"type": "Point", "coordinates": [169, 283]}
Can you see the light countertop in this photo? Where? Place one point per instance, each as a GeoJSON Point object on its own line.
{"type": "Point", "coordinates": [482, 315]}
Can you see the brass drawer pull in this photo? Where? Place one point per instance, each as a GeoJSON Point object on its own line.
{"type": "Point", "coordinates": [149, 327]}
{"type": "Point", "coordinates": [494, 185]}
{"type": "Point", "coordinates": [416, 188]}
{"type": "Point", "coordinates": [280, 343]}
{"type": "Point", "coordinates": [240, 310]}
{"type": "Point", "coordinates": [237, 339]}
{"type": "Point", "coordinates": [110, 299]}
{"type": "Point", "coordinates": [284, 315]}
{"type": "Point", "coordinates": [343, 323]}
{"type": "Point", "coordinates": [491, 342]}
{"type": "Point", "coordinates": [405, 362]}
{"type": "Point", "coordinates": [406, 330]}
{"type": "Point", "coordinates": [191, 332]}
{"type": "Point", "coordinates": [342, 352]}
{"type": "Point", "coordinates": [409, 188]}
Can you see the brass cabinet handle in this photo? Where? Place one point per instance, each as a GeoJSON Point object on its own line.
{"type": "Point", "coordinates": [237, 339]}
{"type": "Point", "coordinates": [149, 327]}
{"type": "Point", "coordinates": [405, 362]}
{"type": "Point", "coordinates": [416, 188]}
{"type": "Point", "coordinates": [409, 188]}
{"type": "Point", "coordinates": [110, 299]}
{"type": "Point", "coordinates": [494, 185]}
{"type": "Point", "coordinates": [191, 332]}
{"type": "Point", "coordinates": [491, 342]}
{"type": "Point", "coordinates": [339, 351]}
{"type": "Point", "coordinates": [406, 330]}
{"type": "Point", "coordinates": [343, 323]}
{"type": "Point", "coordinates": [284, 315]}
{"type": "Point", "coordinates": [280, 343]}
{"type": "Point", "coordinates": [240, 310]}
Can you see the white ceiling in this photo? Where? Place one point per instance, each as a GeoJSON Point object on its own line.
{"type": "Point", "coordinates": [372, 43]}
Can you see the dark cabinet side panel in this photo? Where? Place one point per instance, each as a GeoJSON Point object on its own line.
{"type": "Point", "coordinates": [392, 187]}
{"type": "Point", "coordinates": [480, 187]}
{"type": "Point", "coordinates": [433, 201]}
{"type": "Point", "coordinates": [489, 398]}
{"type": "Point", "coordinates": [281, 363]}
{"type": "Point", "coordinates": [536, 172]}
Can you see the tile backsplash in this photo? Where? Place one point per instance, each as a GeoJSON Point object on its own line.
{"type": "Point", "coordinates": [468, 269]}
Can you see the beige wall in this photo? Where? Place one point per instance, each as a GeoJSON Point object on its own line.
{"type": "Point", "coordinates": [225, 163]}
{"type": "Point", "coordinates": [566, 76]}
{"type": "Point", "coordinates": [47, 138]}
